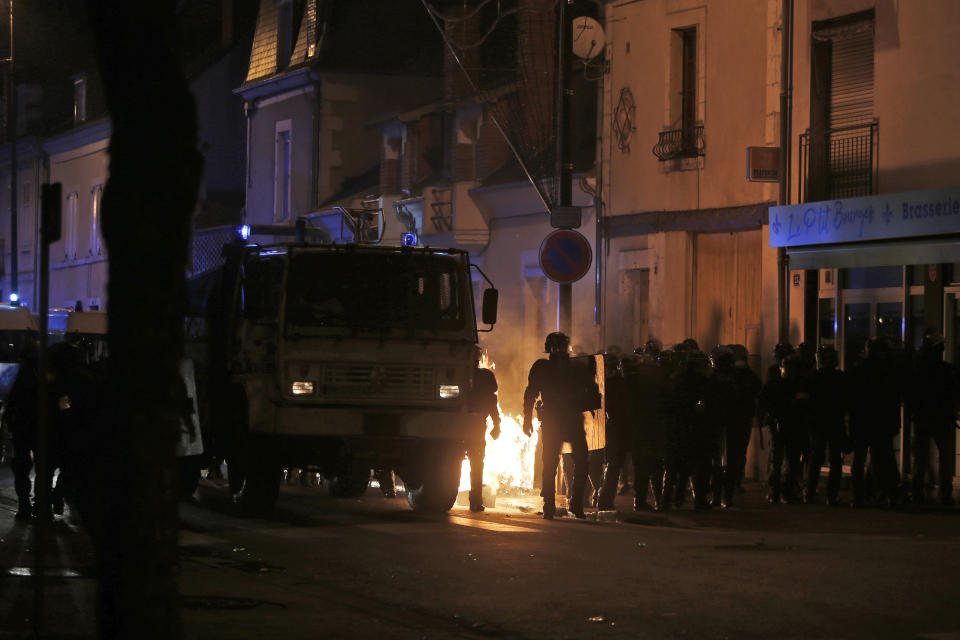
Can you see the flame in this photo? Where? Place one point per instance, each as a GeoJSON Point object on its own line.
{"type": "Point", "coordinates": [508, 462]}
{"type": "Point", "coordinates": [486, 362]}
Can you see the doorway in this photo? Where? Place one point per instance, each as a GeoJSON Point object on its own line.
{"type": "Point", "coordinates": [869, 313]}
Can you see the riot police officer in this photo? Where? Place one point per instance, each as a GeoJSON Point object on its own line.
{"type": "Point", "coordinates": [933, 409]}
{"type": "Point", "coordinates": [618, 430]}
{"type": "Point", "coordinates": [695, 435]}
{"type": "Point", "coordinates": [648, 386]}
{"type": "Point", "coordinates": [772, 409]}
{"type": "Point", "coordinates": [566, 392]}
{"type": "Point", "coordinates": [876, 393]}
{"type": "Point", "coordinates": [828, 428]}
{"type": "Point", "coordinates": [483, 400]}
{"type": "Point", "coordinates": [20, 416]}
{"type": "Point", "coordinates": [737, 388]}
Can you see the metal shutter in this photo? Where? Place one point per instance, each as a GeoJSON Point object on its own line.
{"type": "Point", "coordinates": [851, 75]}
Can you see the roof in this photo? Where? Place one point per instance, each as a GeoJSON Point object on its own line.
{"type": "Point", "coordinates": [363, 36]}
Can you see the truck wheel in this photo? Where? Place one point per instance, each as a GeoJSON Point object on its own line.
{"type": "Point", "coordinates": [261, 487]}
{"type": "Point", "coordinates": [352, 482]}
{"type": "Point", "coordinates": [434, 488]}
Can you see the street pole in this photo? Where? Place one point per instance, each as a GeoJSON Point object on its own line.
{"type": "Point", "coordinates": [564, 162]}
{"type": "Point", "coordinates": [12, 140]}
{"type": "Point", "coordinates": [786, 116]}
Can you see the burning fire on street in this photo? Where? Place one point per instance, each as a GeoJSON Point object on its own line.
{"type": "Point", "coordinates": [508, 463]}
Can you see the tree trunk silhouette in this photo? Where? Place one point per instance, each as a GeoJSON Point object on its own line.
{"type": "Point", "coordinates": [147, 207]}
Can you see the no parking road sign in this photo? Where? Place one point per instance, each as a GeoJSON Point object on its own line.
{"type": "Point", "coordinates": [565, 256]}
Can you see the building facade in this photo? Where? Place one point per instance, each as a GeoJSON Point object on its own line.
{"type": "Point", "coordinates": [872, 243]}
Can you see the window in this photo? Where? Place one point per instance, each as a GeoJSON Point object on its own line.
{"type": "Point", "coordinates": [96, 195]}
{"type": "Point", "coordinates": [70, 227]}
{"type": "Point", "coordinates": [284, 34]}
{"type": "Point", "coordinates": [684, 136]}
{"type": "Point", "coordinates": [688, 80]}
{"type": "Point", "coordinates": [281, 175]}
{"type": "Point", "coordinates": [79, 99]}
{"type": "Point", "coordinates": [841, 144]}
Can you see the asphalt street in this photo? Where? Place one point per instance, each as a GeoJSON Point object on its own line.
{"type": "Point", "coordinates": [371, 568]}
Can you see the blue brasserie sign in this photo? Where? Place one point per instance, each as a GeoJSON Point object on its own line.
{"type": "Point", "coordinates": [892, 215]}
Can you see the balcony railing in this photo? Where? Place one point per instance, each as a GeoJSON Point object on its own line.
{"type": "Point", "coordinates": [838, 163]}
{"type": "Point", "coordinates": [680, 143]}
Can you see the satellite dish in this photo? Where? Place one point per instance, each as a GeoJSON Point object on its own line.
{"type": "Point", "coordinates": [588, 37]}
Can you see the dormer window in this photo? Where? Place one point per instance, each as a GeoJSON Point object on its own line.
{"type": "Point", "coordinates": [284, 33]}
{"type": "Point", "coordinates": [79, 99]}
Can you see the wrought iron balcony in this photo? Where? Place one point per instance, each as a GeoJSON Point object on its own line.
{"type": "Point", "coordinates": [839, 163]}
{"type": "Point", "coordinates": [680, 143]}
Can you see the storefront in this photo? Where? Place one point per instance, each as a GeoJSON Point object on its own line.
{"type": "Point", "coordinates": [877, 265]}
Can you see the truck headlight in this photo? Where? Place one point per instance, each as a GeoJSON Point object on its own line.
{"type": "Point", "coordinates": [449, 391]}
{"type": "Point", "coordinates": [301, 388]}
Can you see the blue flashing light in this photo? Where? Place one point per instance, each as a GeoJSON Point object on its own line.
{"type": "Point", "coordinates": [409, 239]}
{"type": "Point", "coordinates": [14, 298]}
{"type": "Point", "coordinates": [245, 231]}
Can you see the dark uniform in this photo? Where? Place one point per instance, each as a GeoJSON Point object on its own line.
{"type": "Point", "coordinates": [618, 432]}
{"type": "Point", "coordinates": [483, 400]}
{"type": "Point", "coordinates": [694, 435]}
{"type": "Point", "coordinates": [736, 389]}
{"type": "Point", "coordinates": [933, 409]}
{"type": "Point", "coordinates": [828, 429]}
{"type": "Point", "coordinates": [773, 406]}
{"type": "Point", "coordinates": [566, 392]}
{"type": "Point", "coordinates": [20, 416]}
{"type": "Point", "coordinates": [647, 388]}
{"type": "Point", "coordinates": [875, 419]}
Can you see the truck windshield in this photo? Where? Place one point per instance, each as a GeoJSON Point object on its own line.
{"type": "Point", "coordinates": [375, 291]}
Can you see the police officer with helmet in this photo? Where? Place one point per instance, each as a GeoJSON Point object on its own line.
{"type": "Point", "coordinates": [566, 392]}
{"type": "Point", "coordinates": [932, 404]}
{"type": "Point", "coordinates": [828, 429]}
{"type": "Point", "coordinates": [648, 386]}
{"type": "Point", "coordinates": [737, 388]}
{"type": "Point", "coordinates": [773, 408]}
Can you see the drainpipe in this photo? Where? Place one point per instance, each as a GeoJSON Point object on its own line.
{"type": "Point", "coordinates": [248, 109]}
{"type": "Point", "coordinates": [315, 169]}
{"type": "Point", "coordinates": [786, 117]}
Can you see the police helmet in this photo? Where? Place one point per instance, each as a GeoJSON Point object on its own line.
{"type": "Point", "coordinates": [878, 347]}
{"type": "Point", "coordinates": [670, 359]}
{"type": "Point", "coordinates": [807, 352]}
{"type": "Point", "coordinates": [688, 345]}
{"type": "Point", "coordinates": [629, 365]}
{"type": "Point", "coordinates": [932, 343]}
{"type": "Point", "coordinates": [782, 350]}
{"type": "Point", "coordinates": [651, 347]}
{"type": "Point", "coordinates": [556, 342]}
{"type": "Point", "coordinates": [721, 357]}
{"type": "Point", "coordinates": [827, 357]}
{"type": "Point", "coordinates": [740, 355]}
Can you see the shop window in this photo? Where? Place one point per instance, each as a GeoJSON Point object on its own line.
{"type": "Point", "coordinates": [872, 277]}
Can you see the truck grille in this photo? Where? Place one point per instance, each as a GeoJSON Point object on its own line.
{"type": "Point", "coordinates": [378, 381]}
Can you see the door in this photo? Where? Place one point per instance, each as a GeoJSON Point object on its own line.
{"type": "Point", "coordinates": [869, 313]}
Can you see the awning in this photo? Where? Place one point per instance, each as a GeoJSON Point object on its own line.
{"type": "Point", "coordinates": [842, 256]}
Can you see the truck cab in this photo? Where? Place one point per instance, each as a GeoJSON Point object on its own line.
{"type": "Point", "coordinates": [343, 358]}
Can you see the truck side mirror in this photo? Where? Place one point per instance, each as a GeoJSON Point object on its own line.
{"type": "Point", "coordinates": [490, 299]}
